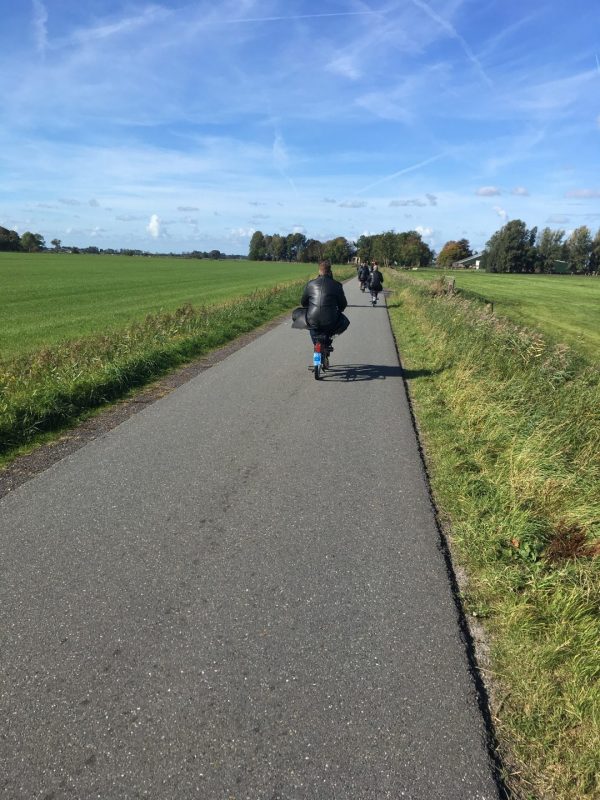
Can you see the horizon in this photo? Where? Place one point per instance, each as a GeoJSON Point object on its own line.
{"type": "Point", "coordinates": [181, 126]}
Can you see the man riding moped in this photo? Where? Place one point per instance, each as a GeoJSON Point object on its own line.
{"type": "Point", "coordinates": [324, 301]}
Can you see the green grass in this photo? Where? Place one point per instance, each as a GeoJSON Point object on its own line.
{"type": "Point", "coordinates": [45, 390]}
{"type": "Point", "coordinates": [564, 307]}
{"type": "Point", "coordinates": [510, 424]}
{"type": "Point", "coordinates": [47, 298]}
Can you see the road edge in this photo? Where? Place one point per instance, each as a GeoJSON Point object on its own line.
{"type": "Point", "coordinates": [472, 637]}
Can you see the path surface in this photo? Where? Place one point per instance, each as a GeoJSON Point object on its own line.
{"type": "Point", "coordinates": [238, 593]}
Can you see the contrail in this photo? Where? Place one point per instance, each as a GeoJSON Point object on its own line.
{"type": "Point", "coordinates": [447, 26]}
{"type": "Point", "coordinates": [299, 16]}
{"type": "Point", "coordinates": [597, 62]}
{"type": "Point", "coordinates": [401, 172]}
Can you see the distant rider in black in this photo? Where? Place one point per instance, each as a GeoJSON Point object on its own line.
{"type": "Point", "coordinates": [324, 300]}
{"type": "Point", "coordinates": [375, 283]}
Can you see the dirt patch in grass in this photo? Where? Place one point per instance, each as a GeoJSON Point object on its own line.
{"type": "Point", "coordinates": [570, 541]}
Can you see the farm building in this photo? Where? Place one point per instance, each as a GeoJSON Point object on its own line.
{"type": "Point", "coordinates": [472, 262]}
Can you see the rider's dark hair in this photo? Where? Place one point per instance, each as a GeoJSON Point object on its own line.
{"type": "Point", "coordinates": [324, 267]}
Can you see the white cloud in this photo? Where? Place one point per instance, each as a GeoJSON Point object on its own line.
{"type": "Point", "coordinates": [426, 233]}
{"type": "Point", "coordinates": [40, 18]}
{"type": "Point", "coordinates": [558, 219]}
{"type": "Point", "coordinates": [583, 193]}
{"type": "Point", "coordinates": [412, 202]}
{"type": "Point", "coordinates": [501, 213]}
{"type": "Point", "coordinates": [345, 66]}
{"type": "Point", "coordinates": [353, 204]}
{"type": "Point", "coordinates": [520, 191]}
{"type": "Point", "coordinates": [299, 229]}
{"type": "Point", "coordinates": [188, 208]}
{"type": "Point", "coordinates": [68, 201]}
{"type": "Point", "coordinates": [153, 226]}
{"type": "Point", "coordinates": [488, 191]}
{"type": "Point", "coordinates": [280, 154]}
{"type": "Point", "coordinates": [242, 233]}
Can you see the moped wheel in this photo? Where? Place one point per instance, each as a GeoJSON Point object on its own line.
{"type": "Point", "coordinates": [317, 371]}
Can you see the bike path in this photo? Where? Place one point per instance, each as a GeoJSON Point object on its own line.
{"type": "Point", "coordinates": [239, 593]}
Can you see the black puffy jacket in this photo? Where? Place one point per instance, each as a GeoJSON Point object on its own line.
{"type": "Point", "coordinates": [376, 281]}
{"type": "Point", "coordinates": [324, 300]}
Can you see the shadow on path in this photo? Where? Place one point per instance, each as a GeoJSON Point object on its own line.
{"type": "Point", "coordinates": [361, 372]}
{"type": "Point", "coordinates": [348, 373]}
{"type": "Point", "coordinates": [409, 374]}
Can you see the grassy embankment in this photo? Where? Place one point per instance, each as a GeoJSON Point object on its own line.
{"type": "Point", "coordinates": [564, 307]}
{"type": "Point", "coordinates": [510, 422]}
{"type": "Point", "coordinates": [47, 388]}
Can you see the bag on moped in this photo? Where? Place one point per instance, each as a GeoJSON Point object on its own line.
{"type": "Point", "coordinates": [299, 318]}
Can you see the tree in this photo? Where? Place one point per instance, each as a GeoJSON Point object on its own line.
{"type": "Point", "coordinates": [32, 242]}
{"type": "Point", "coordinates": [312, 251]}
{"type": "Point", "coordinates": [511, 249]}
{"type": "Point", "coordinates": [550, 248]}
{"type": "Point", "coordinates": [337, 250]}
{"type": "Point", "coordinates": [9, 240]}
{"type": "Point", "coordinates": [454, 251]}
{"type": "Point", "coordinates": [595, 254]}
{"type": "Point", "coordinates": [364, 248]}
{"type": "Point", "coordinates": [385, 248]}
{"type": "Point", "coordinates": [295, 242]}
{"type": "Point", "coordinates": [55, 243]}
{"type": "Point", "coordinates": [257, 247]}
{"type": "Point", "coordinates": [412, 251]}
{"type": "Point", "coordinates": [579, 249]}
{"type": "Point", "coordinates": [278, 247]}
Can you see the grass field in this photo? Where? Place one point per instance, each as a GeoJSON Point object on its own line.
{"type": "Point", "coordinates": [79, 332]}
{"type": "Point", "coordinates": [47, 298]}
{"type": "Point", "coordinates": [565, 307]}
{"type": "Point", "coordinates": [510, 424]}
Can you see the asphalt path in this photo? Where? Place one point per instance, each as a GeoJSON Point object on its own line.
{"type": "Point", "coordinates": [240, 593]}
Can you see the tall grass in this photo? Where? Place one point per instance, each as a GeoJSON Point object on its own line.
{"type": "Point", "coordinates": [511, 428]}
{"type": "Point", "coordinates": [54, 386]}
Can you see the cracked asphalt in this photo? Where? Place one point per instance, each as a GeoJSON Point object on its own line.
{"type": "Point", "coordinates": [239, 593]}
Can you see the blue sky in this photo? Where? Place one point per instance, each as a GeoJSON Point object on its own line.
{"type": "Point", "coordinates": [188, 125]}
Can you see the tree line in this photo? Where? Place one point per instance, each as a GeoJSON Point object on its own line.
{"type": "Point", "coordinates": [389, 249]}
{"type": "Point", "coordinates": [297, 247]}
{"type": "Point", "coordinates": [517, 248]}
{"type": "Point", "coordinates": [28, 242]}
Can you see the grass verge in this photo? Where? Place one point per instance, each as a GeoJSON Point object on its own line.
{"type": "Point", "coordinates": [511, 429]}
{"type": "Point", "coordinates": [55, 386]}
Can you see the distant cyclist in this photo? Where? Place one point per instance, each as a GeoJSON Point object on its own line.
{"type": "Point", "coordinates": [324, 301]}
{"type": "Point", "coordinates": [375, 283]}
{"type": "Point", "coordinates": [363, 276]}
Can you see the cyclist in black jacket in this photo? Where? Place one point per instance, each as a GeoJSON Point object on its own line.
{"type": "Point", "coordinates": [375, 283]}
{"type": "Point", "coordinates": [324, 300]}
